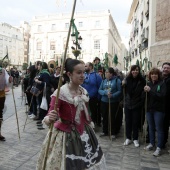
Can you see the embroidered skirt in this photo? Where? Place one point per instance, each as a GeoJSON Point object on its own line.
{"type": "Point", "coordinates": [72, 151]}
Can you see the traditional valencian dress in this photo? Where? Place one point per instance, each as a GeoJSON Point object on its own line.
{"type": "Point", "coordinates": [74, 145]}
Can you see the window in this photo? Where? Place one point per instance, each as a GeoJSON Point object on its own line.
{"type": "Point", "coordinates": [39, 28]}
{"type": "Point", "coordinates": [136, 51]}
{"type": "Point", "coordinates": [80, 24]}
{"type": "Point", "coordinates": [147, 32]}
{"type": "Point", "coordinates": [66, 25]}
{"type": "Point", "coordinates": [39, 45]}
{"type": "Point", "coordinates": [97, 24]}
{"type": "Point", "coordinates": [52, 45]}
{"type": "Point", "coordinates": [53, 27]}
{"type": "Point", "coordinates": [97, 44]}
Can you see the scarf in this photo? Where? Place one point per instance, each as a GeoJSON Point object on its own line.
{"type": "Point", "coordinates": [44, 71]}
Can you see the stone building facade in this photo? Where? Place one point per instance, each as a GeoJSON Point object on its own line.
{"type": "Point", "coordinates": [16, 41]}
{"type": "Point", "coordinates": [11, 39]}
{"type": "Point", "coordinates": [97, 28]}
{"type": "Point", "coordinates": [150, 34]}
{"type": "Point", "coordinates": [160, 49]}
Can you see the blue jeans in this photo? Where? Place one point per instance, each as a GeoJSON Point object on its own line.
{"type": "Point", "coordinates": [155, 121]}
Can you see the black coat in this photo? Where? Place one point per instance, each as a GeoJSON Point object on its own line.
{"type": "Point", "coordinates": [156, 96]}
{"type": "Point", "coordinates": [134, 89]}
{"type": "Point", "coordinates": [54, 81]}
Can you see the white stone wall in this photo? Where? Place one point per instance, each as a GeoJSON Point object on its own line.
{"type": "Point", "coordinates": [158, 50]}
{"type": "Point", "coordinates": [12, 38]}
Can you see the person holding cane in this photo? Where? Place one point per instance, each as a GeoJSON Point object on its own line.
{"type": "Point", "coordinates": [73, 142]}
{"type": "Point", "coordinates": [110, 91]}
{"type": "Point", "coordinates": [134, 102]}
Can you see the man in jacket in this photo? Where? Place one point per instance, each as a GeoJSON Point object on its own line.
{"type": "Point", "coordinates": [166, 77]}
{"type": "Point", "coordinates": [92, 83]}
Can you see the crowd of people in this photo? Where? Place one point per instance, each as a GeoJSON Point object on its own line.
{"type": "Point", "coordinates": [92, 96]}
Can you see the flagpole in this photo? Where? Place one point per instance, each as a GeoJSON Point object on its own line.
{"type": "Point", "coordinates": [59, 85]}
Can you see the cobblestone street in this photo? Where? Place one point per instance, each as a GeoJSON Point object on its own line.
{"type": "Point", "coordinates": [22, 155]}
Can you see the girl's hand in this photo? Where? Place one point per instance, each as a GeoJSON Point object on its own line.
{"type": "Point", "coordinates": [147, 88]}
{"type": "Point", "coordinates": [53, 115]}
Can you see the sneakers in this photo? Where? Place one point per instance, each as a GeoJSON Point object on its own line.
{"type": "Point", "coordinates": [32, 116]}
{"type": "Point", "coordinates": [103, 134]}
{"type": "Point", "coordinates": [40, 128]}
{"type": "Point", "coordinates": [2, 138]}
{"type": "Point", "coordinates": [127, 142]}
{"type": "Point", "coordinates": [136, 143]}
{"type": "Point", "coordinates": [157, 152]}
{"type": "Point", "coordinates": [113, 137]}
{"type": "Point", "coordinates": [149, 147]}
{"type": "Point", "coordinates": [30, 113]}
{"type": "Point", "coordinates": [39, 122]}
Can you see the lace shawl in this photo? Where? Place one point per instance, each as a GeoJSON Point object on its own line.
{"type": "Point", "coordinates": [78, 101]}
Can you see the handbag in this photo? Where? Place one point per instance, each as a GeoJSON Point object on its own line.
{"type": "Point", "coordinates": [35, 91]}
{"type": "Point", "coordinates": [44, 104]}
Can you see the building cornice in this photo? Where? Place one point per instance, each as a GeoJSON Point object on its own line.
{"type": "Point", "coordinates": [132, 10]}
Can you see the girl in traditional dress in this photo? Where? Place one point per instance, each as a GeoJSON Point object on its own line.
{"type": "Point", "coordinates": [73, 145]}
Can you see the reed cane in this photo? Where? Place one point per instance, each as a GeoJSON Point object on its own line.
{"type": "Point", "coordinates": [110, 126]}
{"type": "Point", "coordinates": [22, 93]}
{"type": "Point", "coordinates": [14, 101]}
{"type": "Point", "coordinates": [124, 134]}
{"type": "Point", "coordinates": [16, 112]}
{"type": "Point", "coordinates": [27, 113]}
{"type": "Point", "coordinates": [146, 97]}
{"type": "Point", "coordinates": [59, 85]}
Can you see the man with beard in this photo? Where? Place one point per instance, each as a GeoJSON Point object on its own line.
{"type": "Point", "coordinates": [92, 83]}
{"type": "Point", "coordinates": [166, 77]}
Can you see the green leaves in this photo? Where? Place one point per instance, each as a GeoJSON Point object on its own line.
{"type": "Point", "coordinates": [115, 60]}
{"type": "Point", "coordinates": [106, 61]}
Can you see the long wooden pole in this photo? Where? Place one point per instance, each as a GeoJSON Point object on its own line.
{"type": "Point", "coordinates": [28, 110]}
{"type": "Point", "coordinates": [14, 101]}
{"type": "Point", "coordinates": [110, 125]}
{"type": "Point", "coordinates": [60, 82]}
{"type": "Point", "coordinates": [146, 97]}
{"type": "Point", "coordinates": [124, 93]}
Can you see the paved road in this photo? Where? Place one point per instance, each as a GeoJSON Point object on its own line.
{"type": "Point", "coordinates": [22, 155]}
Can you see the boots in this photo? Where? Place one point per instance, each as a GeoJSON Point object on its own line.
{"type": "Point", "coordinates": [1, 137]}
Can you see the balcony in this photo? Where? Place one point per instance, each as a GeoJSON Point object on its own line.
{"type": "Point", "coordinates": [147, 13]}
{"type": "Point", "coordinates": [141, 22]}
{"type": "Point", "coordinates": [145, 39]}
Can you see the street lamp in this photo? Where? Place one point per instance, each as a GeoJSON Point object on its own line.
{"type": "Point", "coordinates": [77, 39]}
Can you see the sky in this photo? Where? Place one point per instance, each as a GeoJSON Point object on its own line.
{"type": "Point", "coordinates": [14, 11]}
